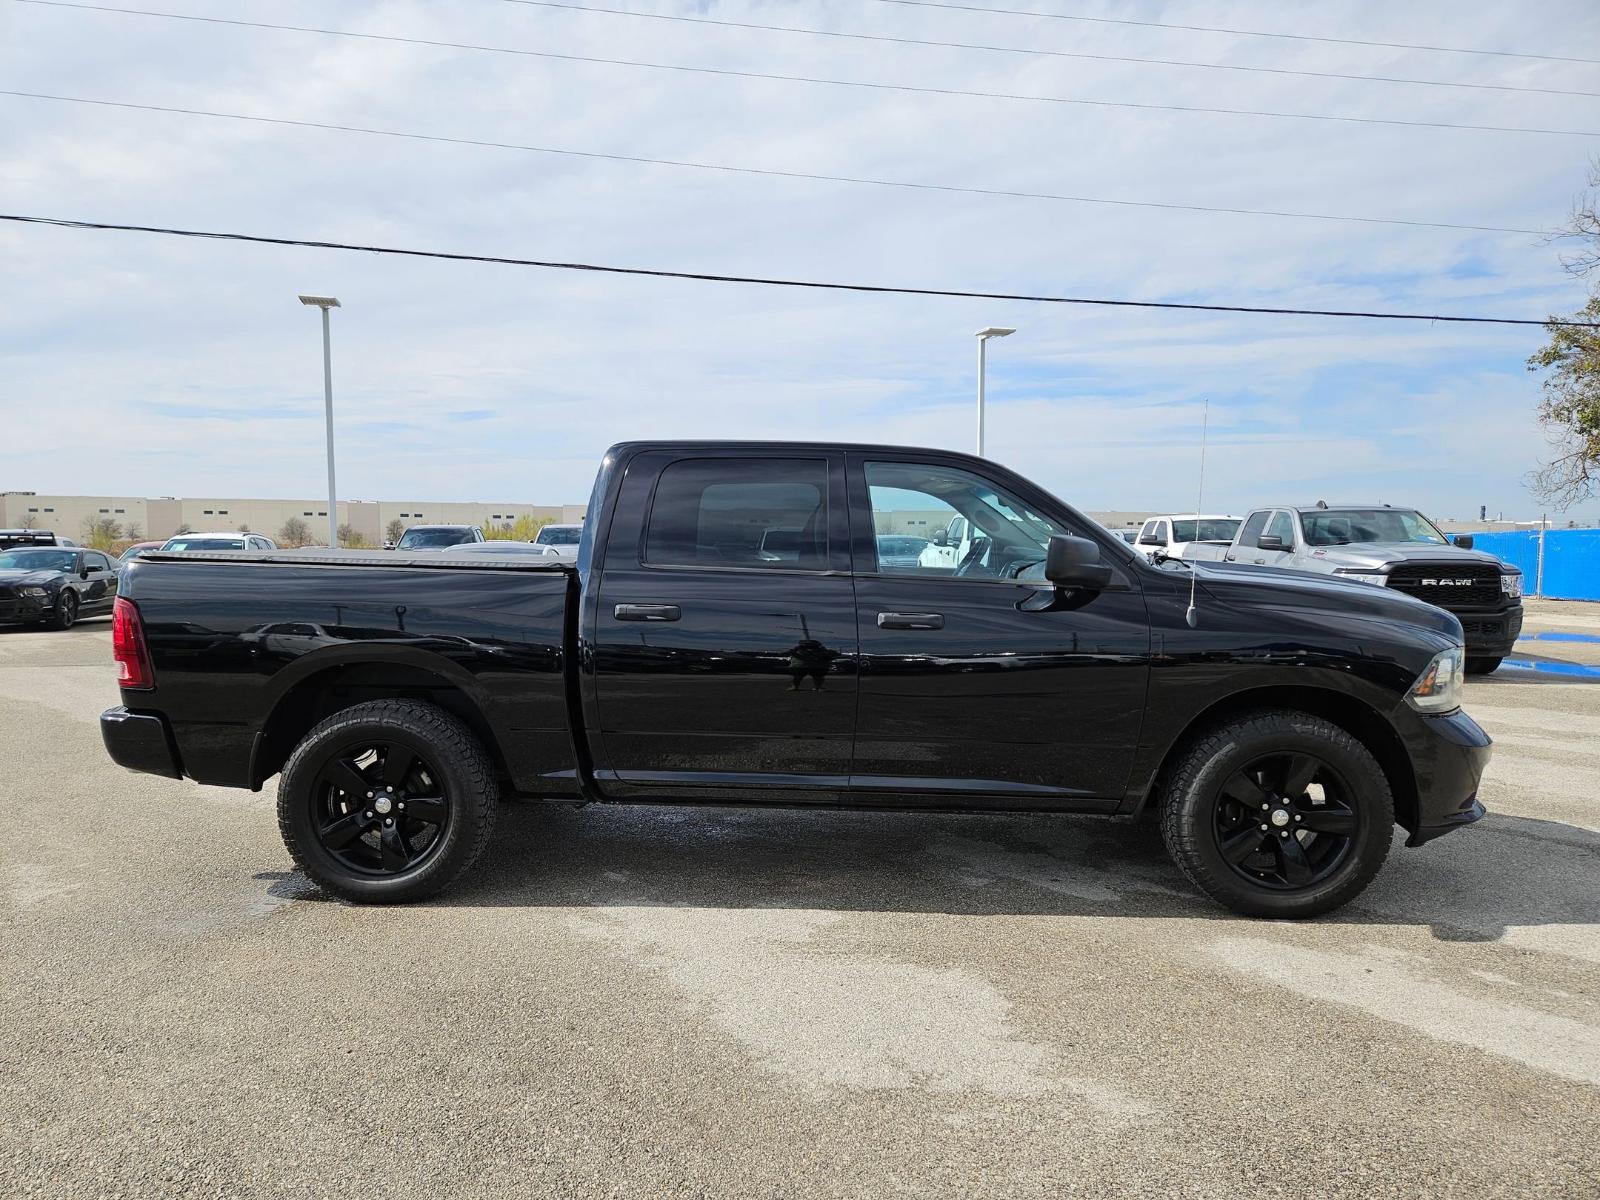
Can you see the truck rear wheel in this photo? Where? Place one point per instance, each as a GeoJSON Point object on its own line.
{"type": "Point", "coordinates": [1277, 813]}
{"type": "Point", "coordinates": [387, 801]}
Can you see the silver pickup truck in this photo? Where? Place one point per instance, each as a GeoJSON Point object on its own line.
{"type": "Point", "coordinates": [1391, 547]}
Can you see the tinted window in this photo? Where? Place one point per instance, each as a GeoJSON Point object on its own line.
{"type": "Point", "coordinates": [1342, 527]}
{"type": "Point", "coordinates": [192, 543]}
{"type": "Point", "coordinates": [989, 533]}
{"type": "Point", "coordinates": [740, 512]}
{"type": "Point", "coordinates": [560, 535]}
{"type": "Point", "coordinates": [435, 539]}
{"type": "Point", "coordinates": [97, 561]}
{"type": "Point", "coordinates": [1253, 528]}
{"type": "Point", "coordinates": [1204, 531]}
{"type": "Point", "coordinates": [1281, 526]}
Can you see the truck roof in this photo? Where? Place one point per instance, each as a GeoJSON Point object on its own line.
{"type": "Point", "coordinates": [752, 444]}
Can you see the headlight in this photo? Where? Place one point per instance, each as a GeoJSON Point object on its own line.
{"type": "Point", "coordinates": [1364, 577]}
{"type": "Point", "coordinates": [1438, 688]}
{"type": "Point", "coordinates": [34, 591]}
{"type": "Point", "coordinates": [1511, 585]}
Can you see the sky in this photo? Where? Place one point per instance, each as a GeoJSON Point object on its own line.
{"type": "Point", "coordinates": [132, 364]}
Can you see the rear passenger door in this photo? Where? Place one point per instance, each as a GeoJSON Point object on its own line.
{"type": "Point", "coordinates": [724, 647]}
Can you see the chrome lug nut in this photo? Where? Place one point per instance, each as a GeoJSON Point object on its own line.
{"type": "Point", "coordinates": [369, 795]}
{"type": "Point", "coordinates": [1285, 833]}
{"type": "Point", "coordinates": [390, 821]}
{"type": "Point", "coordinates": [1263, 829]}
{"type": "Point", "coordinates": [369, 817]}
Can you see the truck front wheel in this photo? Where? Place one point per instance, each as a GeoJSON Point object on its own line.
{"type": "Point", "coordinates": [1277, 813]}
{"type": "Point", "coordinates": [387, 801]}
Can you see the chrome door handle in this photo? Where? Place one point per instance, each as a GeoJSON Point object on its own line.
{"type": "Point", "coordinates": [646, 612]}
{"type": "Point", "coordinates": [894, 620]}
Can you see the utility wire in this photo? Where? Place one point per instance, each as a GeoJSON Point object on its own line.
{"type": "Point", "coordinates": [766, 281]}
{"type": "Point", "coordinates": [730, 73]}
{"type": "Point", "coordinates": [765, 171]}
{"type": "Point", "coordinates": [1029, 50]}
{"type": "Point", "coordinates": [1295, 37]}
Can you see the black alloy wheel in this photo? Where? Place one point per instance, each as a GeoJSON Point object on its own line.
{"type": "Point", "coordinates": [379, 807]}
{"type": "Point", "coordinates": [388, 801]}
{"type": "Point", "coordinates": [1285, 821]}
{"type": "Point", "coordinates": [66, 609]}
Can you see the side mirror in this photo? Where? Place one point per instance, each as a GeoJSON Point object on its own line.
{"type": "Point", "coordinates": [84, 571]}
{"type": "Point", "coordinates": [1270, 541]}
{"type": "Point", "coordinates": [1150, 539]}
{"type": "Point", "coordinates": [1074, 562]}
{"type": "Point", "coordinates": [1464, 540]}
{"type": "Point", "coordinates": [939, 539]}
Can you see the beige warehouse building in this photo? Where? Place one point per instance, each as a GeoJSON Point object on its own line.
{"type": "Point", "coordinates": [161, 517]}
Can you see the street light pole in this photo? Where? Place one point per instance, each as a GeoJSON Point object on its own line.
{"type": "Point", "coordinates": [984, 335]}
{"type": "Point", "coordinates": [325, 303]}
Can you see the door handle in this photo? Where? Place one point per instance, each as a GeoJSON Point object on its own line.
{"type": "Point", "coordinates": [910, 620]}
{"type": "Point", "coordinates": [646, 612]}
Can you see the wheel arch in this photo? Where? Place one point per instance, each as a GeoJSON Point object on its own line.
{"type": "Point", "coordinates": [1352, 714]}
{"type": "Point", "coordinates": [316, 694]}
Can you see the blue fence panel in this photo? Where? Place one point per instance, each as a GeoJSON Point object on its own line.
{"type": "Point", "coordinates": [1571, 559]}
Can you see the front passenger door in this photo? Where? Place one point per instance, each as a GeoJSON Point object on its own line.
{"type": "Point", "coordinates": [100, 586]}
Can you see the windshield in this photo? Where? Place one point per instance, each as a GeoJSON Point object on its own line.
{"type": "Point", "coordinates": [433, 539]}
{"type": "Point", "coordinates": [1350, 526]}
{"type": "Point", "coordinates": [36, 560]}
{"type": "Point", "coordinates": [560, 535]}
{"type": "Point", "coordinates": [1220, 529]}
{"type": "Point", "coordinates": [204, 543]}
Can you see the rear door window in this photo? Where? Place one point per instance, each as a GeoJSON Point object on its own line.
{"type": "Point", "coordinates": [754, 513]}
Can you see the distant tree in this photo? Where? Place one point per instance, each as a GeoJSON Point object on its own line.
{"type": "Point", "coordinates": [1569, 408]}
{"type": "Point", "coordinates": [524, 529]}
{"type": "Point", "coordinates": [183, 529]}
{"type": "Point", "coordinates": [350, 539]}
{"type": "Point", "coordinates": [134, 534]}
{"type": "Point", "coordinates": [395, 531]}
{"type": "Point", "coordinates": [29, 521]}
{"type": "Point", "coordinates": [101, 532]}
{"type": "Point", "coordinates": [243, 528]}
{"type": "Point", "coordinates": [295, 533]}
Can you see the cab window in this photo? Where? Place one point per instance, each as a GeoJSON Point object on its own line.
{"type": "Point", "coordinates": [1282, 527]}
{"type": "Point", "coordinates": [768, 514]}
{"type": "Point", "coordinates": [989, 533]}
{"type": "Point", "coordinates": [1253, 528]}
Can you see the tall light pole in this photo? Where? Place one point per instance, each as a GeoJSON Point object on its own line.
{"type": "Point", "coordinates": [325, 303]}
{"type": "Point", "coordinates": [984, 335]}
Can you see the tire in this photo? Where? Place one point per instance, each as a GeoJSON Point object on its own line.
{"type": "Point", "coordinates": [373, 851]}
{"type": "Point", "coordinates": [1342, 818]}
{"type": "Point", "coordinates": [66, 614]}
{"type": "Point", "coordinates": [1484, 666]}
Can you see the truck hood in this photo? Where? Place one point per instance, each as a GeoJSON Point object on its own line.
{"type": "Point", "coordinates": [1372, 555]}
{"type": "Point", "coordinates": [1244, 585]}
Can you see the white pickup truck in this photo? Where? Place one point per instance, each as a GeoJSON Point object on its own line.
{"type": "Point", "coordinates": [1172, 536]}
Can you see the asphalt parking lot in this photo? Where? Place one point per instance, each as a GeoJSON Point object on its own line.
{"type": "Point", "coordinates": [674, 1002]}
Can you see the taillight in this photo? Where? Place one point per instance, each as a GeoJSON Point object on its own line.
{"type": "Point", "coordinates": [128, 648]}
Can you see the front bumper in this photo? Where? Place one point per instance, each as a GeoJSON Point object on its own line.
{"type": "Point", "coordinates": [140, 742]}
{"type": "Point", "coordinates": [1448, 755]}
{"type": "Point", "coordinates": [26, 608]}
{"type": "Point", "coordinates": [1490, 633]}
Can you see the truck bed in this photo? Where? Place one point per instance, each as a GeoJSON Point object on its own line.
{"type": "Point", "coordinates": [238, 635]}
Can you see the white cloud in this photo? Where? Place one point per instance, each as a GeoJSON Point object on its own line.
{"type": "Point", "coordinates": [162, 367]}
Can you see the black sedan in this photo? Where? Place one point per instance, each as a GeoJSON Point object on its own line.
{"type": "Point", "coordinates": [55, 584]}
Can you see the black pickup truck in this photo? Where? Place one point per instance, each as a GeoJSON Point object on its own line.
{"type": "Point", "coordinates": [1280, 724]}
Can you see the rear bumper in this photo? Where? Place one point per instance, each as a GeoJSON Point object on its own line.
{"type": "Point", "coordinates": [140, 742]}
{"type": "Point", "coordinates": [1449, 754]}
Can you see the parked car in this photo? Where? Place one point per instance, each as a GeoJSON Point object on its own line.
{"type": "Point", "coordinates": [55, 584]}
{"type": "Point", "coordinates": [29, 537]}
{"type": "Point", "coordinates": [134, 551]}
{"type": "Point", "coordinates": [1173, 535]}
{"type": "Point", "coordinates": [438, 537]}
{"type": "Point", "coordinates": [1128, 535]}
{"type": "Point", "coordinates": [218, 541]}
{"type": "Point", "coordinates": [898, 550]}
{"type": "Point", "coordinates": [1396, 548]}
{"type": "Point", "coordinates": [1280, 736]}
{"type": "Point", "coordinates": [560, 535]}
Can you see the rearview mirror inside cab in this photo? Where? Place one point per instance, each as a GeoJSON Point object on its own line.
{"type": "Point", "coordinates": [1074, 562]}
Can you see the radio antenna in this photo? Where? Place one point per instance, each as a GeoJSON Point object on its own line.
{"type": "Point", "coordinates": [1192, 617]}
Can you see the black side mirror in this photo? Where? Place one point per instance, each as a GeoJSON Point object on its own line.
{"type": "Point", "coordinates": [1150, 539]}
{"type": "Point", "coordinates": [1270, 541]}
{"type": "Point", "coordinates": [1074, 562]}
{"type": "Point", "coordinates": [1464, 540]}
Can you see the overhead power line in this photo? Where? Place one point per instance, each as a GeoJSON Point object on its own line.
{"type": "Point", "coordinates": [767, 281]}
{"type": "Point", "coordinates": [1026, 50]}
{"type": "Point", "coordinates": [687, 164]}
{"type": "Point", "coordinates": [771, 76]}
{"type": "Point", "coordinates": [1295, 37]}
